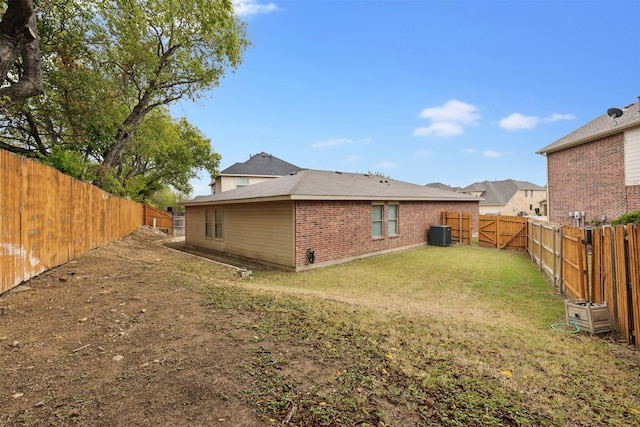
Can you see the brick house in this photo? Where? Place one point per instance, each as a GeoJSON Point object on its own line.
{"type": "Point", "coordinates": [338, 216]}
{"type": "Point", "coordinates": [594, 171]}
{"type": "Point", "coordinates": [508, 197]}
{"type": "Point", "coordinates": [260, 167]}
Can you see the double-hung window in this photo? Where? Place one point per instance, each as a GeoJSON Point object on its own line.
{"type": "Point", "coordinates": [392, 220]}
{"type": "Point", "coordinates": [242, 181]}
{"type": "Point", "coordinates": [213, 218]}
{"type": "Point", "coordinates": [380, 220]}
{"type": "Point", "coordinates": [218, 217]}
{"type": "Point", "coordinates": [377, 214]}
{"type": "Point", "coordinates": [208, 223]}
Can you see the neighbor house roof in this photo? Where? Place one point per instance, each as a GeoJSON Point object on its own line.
{"type": "Point", "coordinates": [261, 164]}
{"type": "Point", "coordinates": [312, 184]}
{"type": "Point", "coordinates": [598, 128]}
{"type": "Point", "coordinates": [442, 186]}
{"type": "Point", "coordinates": [500, 192]}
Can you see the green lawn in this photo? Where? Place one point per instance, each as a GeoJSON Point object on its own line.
{"type": "Point", "coordinates": [454, 336]}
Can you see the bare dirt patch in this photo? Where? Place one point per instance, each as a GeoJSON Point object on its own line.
{"type": "Point", "coordinates": [117, 337]}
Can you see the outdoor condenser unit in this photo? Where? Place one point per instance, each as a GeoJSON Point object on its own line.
{"type": "Point", "coordinates": [440, 235]}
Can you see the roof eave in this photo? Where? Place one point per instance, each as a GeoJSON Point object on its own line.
{"type": "Point", "coordinates": [332, 198]}
{"type": "Point", "coordinates": [584, 140]}
{"type": "Point", "coordinates": [235, 201]}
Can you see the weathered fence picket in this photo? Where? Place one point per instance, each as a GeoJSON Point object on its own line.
{"type": "Point", "coordinates": [607, 271]}
{"type": "Point", "coordinates": [48, 218]}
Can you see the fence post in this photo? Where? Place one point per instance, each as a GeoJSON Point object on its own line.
{"type": "Point", "coordinates": [541, 245]}
{"type": "Point", "coordinates": [614, 284]}
{"type": "Point", "coordinates": [561, 235]}
{"type": "Point", "coordinates": [555, 259]}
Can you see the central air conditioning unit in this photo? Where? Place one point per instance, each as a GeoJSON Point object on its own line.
{"type": "Point", "coordinates": [440, 235]}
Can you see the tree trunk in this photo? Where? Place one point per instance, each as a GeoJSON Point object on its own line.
{"type": "Point", "coordinates": [19, 38]}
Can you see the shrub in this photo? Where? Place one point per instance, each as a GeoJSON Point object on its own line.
{"type": "Point", "coordinates": [627, 218]}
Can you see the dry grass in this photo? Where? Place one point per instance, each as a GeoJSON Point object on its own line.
{"type": "Point", "coordinates": [435, 336]}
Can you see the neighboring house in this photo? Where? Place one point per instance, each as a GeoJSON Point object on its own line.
{"type": "Point", "coordinates": [338, 216]}
{"type": "Point", "coordinates": [595, 169]}
{"type": "Point", "coordinates": [260, 167]}
{"type": "Point", "coordinates": [442, 186]}
{"type": "Point", "coordinates": [508, 197]}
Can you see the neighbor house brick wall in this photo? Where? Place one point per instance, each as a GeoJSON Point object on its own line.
{"type": "Point", "coordinates": [338, 230]}
{"type": "Point", "coordinates": [633, 198]}
{"type": "Point", "coordinates": [589, 178]}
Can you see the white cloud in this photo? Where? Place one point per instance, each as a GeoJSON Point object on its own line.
{"type": "Point", "coordinates": [448, 119]}
{"type": "Point", "coordinates": [469, 151]}
{"type": "Point", "coordinates": [492, 154]}
{"type": "Point", "coordinates": [422, 153]}
{"type": "Point", "coordinates": [332, 142]}
{"type": "Point", "coordinates": [246, 8]}
{"type": "Point", "coordinates": [517, 121]}
{"type": "Point", "coordinates": [439, 129]}
{"type": "Point", "coordinates": [556, 117]}
{"type": "Point", "coordinates": [352, 158]}
{"type": "Point", "coordinates": [452, 111]}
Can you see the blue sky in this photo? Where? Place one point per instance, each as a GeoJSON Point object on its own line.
{"type": "Point", "coordinates": [420, 90]}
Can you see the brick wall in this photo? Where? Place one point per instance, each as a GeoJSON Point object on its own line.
{"type": "Point", "coordinates": [633, 198]}
{"type": "Point", "coordinates": [589, 178]}
{"type": "Point", "coordinates": [338, 230]}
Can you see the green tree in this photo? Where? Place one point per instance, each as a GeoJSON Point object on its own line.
{"type": "Point", "coordinates": [164, 198]}
{"type": "Point", "coordinates": [108, 67]}
{"type": "Point", "coordinates": [164, 152]}
{"type": "Point", "coordinates": [379, 174]}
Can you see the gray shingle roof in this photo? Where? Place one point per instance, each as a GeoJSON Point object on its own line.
{"type": "Point", "coordinates": [500, 192]}
{"type": "Point", "coordinates": [596, 129]}
{"type": "Point", "coordinates": [261, 164]}
{"type": "Point", "coordinates": [442, 186]}
{"type": "Point", "coordinates": [312, 184]}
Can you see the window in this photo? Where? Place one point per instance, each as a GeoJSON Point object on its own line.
{"type": "Point", "coordinates": [377, 216]}
{"type": "Point", "coordinates": [208, 223]}
{"type": "Point", "coordinates": [242, 181]}
{"type": "Point", "coordinates": [392, 220]}
{"type": "Point", "coordinates": [213, 223]}
{"type": "Point", "coordinates": [218, 214]}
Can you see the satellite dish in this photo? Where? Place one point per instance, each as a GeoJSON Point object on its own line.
{"type": "Point", "coordinates": [614, 113]}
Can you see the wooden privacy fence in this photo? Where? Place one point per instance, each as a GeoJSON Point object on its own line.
{"type": "Point", "coordinates": [159, 219]}
{"type": "Point", "coordinates": [615, 276]}
{"type": "Point", "coordinates": [461, 224]}
{"type": "Point", "coordinates": [561, 252]}
{"type": "Point", "coordinates": [502, 232]}
{"type": "Point", "coordinates": [608, 270]}
{"type": "Point", "coordinates": [48, 218]}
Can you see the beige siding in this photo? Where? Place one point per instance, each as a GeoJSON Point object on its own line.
{"type": "Point", "coordinates": [226, 183]}
{"type": "Point", "coordinates": [520, 202]}
{"type": "Point", "coordinates": [632, 157]}
{"type": "Point", "coordinates": [262, 231]}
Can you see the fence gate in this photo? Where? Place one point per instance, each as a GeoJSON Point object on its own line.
{"type": "Point", "coordinates": [574, 262]}
{"type": "Point", "coordinates": [502, 232]}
